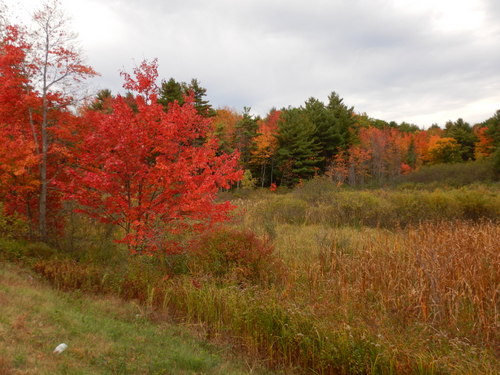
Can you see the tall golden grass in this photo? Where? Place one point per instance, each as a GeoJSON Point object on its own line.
{"type": "Point", "coordinates": [444, 275]}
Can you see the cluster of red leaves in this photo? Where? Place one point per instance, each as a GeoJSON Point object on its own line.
{"type": "Point", "coordinates": [17, 154]}
{"type": "Point", "coordinates": [20, 131]}
{"type": "Point", "coordinates": [151, 172]}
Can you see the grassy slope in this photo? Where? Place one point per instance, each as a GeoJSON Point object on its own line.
{"type": "Point", "coordinates": [105, 336]}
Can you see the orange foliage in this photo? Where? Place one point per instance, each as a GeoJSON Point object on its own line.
{"type": "Point", "coordinates": [338, 170]}
{"type": "Point", "coordinates": [224, 124]}
{"type": "Point", "coordinates": [484, 147]}
{"type": "Point", "coordinates": [385, 153]}
{"type": "Point", "coordinates": [443, 150]}
{"type": "Point", "coordinates": [266, 142]}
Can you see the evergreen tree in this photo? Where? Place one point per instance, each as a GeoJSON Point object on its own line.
{"type": "Point", "coordinates": [172, 90]}
{"type": "Point", "coordinates": [244, 136]}
{"type": "Point", "coordinates": [101, 101]}
{"type": "Point", "coordinates": [462, 132]}
{"type": "Point", "coordinates": [493, 125]}
{"type": "Point", "coordinates": [381, 124]}
{"type": "Point", "coordinates": [345, 118]}
{"type": "Point", "coordinates": [328, 135]}
{"type": "Point", "coordinates": [411, 155]}
{"type": "Point", "coordinates": [333, 123]}
{"type": "Point", "coordinates": [407, 128]}
{"type": "Point", "coordinates": [200, 103]}
{"type": "Point", "coordinates": [169, 92]}
{"type": "Point", "coordinates": [299, 154]}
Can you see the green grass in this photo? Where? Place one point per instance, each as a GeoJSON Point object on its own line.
{"type": "Point", "coordinates": [104, 335]}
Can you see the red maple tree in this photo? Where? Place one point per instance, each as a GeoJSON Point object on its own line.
{"type": "Point", "coordinates": [151, 172]}
{"type": "Point", "coordinates": [18, 160]}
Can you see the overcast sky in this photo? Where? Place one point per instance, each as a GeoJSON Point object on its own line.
{"type": "Point", "coordinates": [420, 61]}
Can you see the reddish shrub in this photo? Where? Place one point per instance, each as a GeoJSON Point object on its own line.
{"type": "Point", "coordinates": [237, 255]}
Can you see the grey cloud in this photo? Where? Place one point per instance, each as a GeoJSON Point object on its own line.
{"type": "Point", "coordinates": [259, 53]}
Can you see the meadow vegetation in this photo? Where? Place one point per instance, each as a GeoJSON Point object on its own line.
{"type": "Point", "coordinates": [316, 280]}
{"type": "Point", "coordinates": [454, 174]}
{"type": "Point", "coordinates": [105, 335]}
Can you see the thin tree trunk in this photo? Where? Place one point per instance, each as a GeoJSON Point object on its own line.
{"type": "Point", "coordinates": [45, 147]}
{"type": "Point", "coordinates": [263, 174]}
{"type": "Point", "coordinates": [43, 177]}
{"type": "Point", "coordinates": [33, 130]}
{"type": "Point", "coordinates": [272, 170]}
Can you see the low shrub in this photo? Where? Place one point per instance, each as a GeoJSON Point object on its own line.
{"type": "Point", "coordinates": [11, 249]}
{"type": "Point", "coordinates": [361, 208]}
{"type": "Point", "coordinates": [12, 226]}
{"type": "Point", "coordinates": [289, 210]}
{"type": "Point", "coordinates": [232, 254]}
{"type": "Point", "coordinates": [382, 208]}
{"type": "Point", "coordinates": [87, 240]}
{"type": "Point", "coordinates": [67, 274]}
{"type": "Point", "coordinates": [477, 204]}
{"type": "Point", "coordinates": [327, 314]}
{"type": "Point", "coordinates": [19, 250]}
{"type": "Point", "coordinates": [316, 190]}
{"type": "Point", "coordinates": [141, 276]}
{"type": "Point", "coordinates": [349, 300]}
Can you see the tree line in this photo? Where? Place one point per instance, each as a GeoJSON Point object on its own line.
{"type": "Point", "coordinates": [331, 139]}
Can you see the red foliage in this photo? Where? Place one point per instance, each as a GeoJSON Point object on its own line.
{"type": "Point", "coordinates": [405, 168]}
{"type": "Point", "coordinates": [18, 158]}
{"type": "Point", "coordinates": [151, 172]}
{"type": "Point", "coordinates": [144, 81]}
{"type": "Point", "coordinates": [36, 127]}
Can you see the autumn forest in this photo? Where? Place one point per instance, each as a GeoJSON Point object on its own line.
{"type": "Point", "coordinates": [316, 239]}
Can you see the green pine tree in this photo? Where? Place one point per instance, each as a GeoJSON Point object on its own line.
{"type": "Point", "coordinates": [328, 134]}
{"type": "Point", "coordinates": [299, 153]}
{"type": "Point", "coordinates": [462, 132]}
{"type": "Point", "coordinates": [202, 105]}
{"type": "Point", "coordinates": [244, 135]}
{"type": "Point", "coordinates": [170, 91]}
